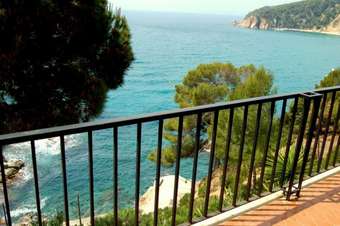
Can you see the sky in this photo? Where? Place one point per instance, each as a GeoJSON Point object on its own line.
{"type": "Point", "coordinates": [236, 7]}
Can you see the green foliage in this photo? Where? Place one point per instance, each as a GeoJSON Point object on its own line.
{"type": "Point", "coordinates": [207, 84]}
{"type": "Point", "coordinates": [331, 79]}
{"type": "Point", "coordinates": [56, 220]}
{"type": "Point", "coordinates": [280, 165]}
{"type": "Point", "coordinates": [307, 14]}
{"type": "Point", "coordinates": [58, 58]}
{"type": "Point", "coordinates": [126, 216]}
{"type": "Point", "coordinates": [258, 84]}
{"type": "Point", "coordinates": [167, 158]}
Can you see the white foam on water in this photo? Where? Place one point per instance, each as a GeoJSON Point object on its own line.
{"type": "Point", "coordinates": [27, 208]}
{"type": "Point", "coordinates": [50, 146]}
{"type": "Point", "coordinates": [44, 148]}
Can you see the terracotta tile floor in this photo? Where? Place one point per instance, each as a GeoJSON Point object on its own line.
{"type": "Point", "coordinates": [319, 205]}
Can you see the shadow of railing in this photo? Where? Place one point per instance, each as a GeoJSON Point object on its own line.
{"type": "Point", "coordinates": [325, 192]}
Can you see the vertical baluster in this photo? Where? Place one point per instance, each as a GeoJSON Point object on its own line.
{"type": "Point", "coordinates": [316, 139]}
{"type": "Point", "coordinates": [115, 175]}
{"type": "Point", "coordinates": [310, 134]}
{"type": "Point", "coordinates": [336, 152]}
{"type": "Point", "coordinates": [138, 155]}
{"type": "Point", "coordinates": [158, 171]}
{"type": "Point", "coordinates": [298, 146]}
{"type": "Point", "coordinates": [194, 167]}
{"type": "Point", "coordinates": [333, 137]}
{"type": "Point", "coordinates": [240, 154]}
{"type": "Point", "coordinates": [36, 182]}
{"type": "Point", "coordinates": [4, 187]}
{"type": "Point", "coordinates": [226, 158]}
{"type": "Point", "coordinates": [329, 117]}
{"type": "Point", "coordinates": [64, 175]}
{"type": "Point", "coordinates": [211, 164]}
{"type": "Point", "coordinates": [91, 185]}
{"type": "Point", "coordinates": [289, 141]}
{"type": "Point", "coordinates": [264, 159]}
{"type": "Point", "coordinates": [253, 154]}
{"type": "Point", "coordinates": [178, 158]}
{"type": "Point", "coordinates": [277, 149]}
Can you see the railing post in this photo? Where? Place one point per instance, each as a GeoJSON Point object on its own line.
{"type": "Point", "coordinates": [64, 175]}
{"type": "Point", "coordinates": [194, 167]}
{"type": "Point", "coordinates": [36, 182]}
{"type": "Point", "coordinates": [289, 141]}
{"type": "Point", "coordinates": [306, 107]}
{"type": "Point", "coordinates": [312, 127]}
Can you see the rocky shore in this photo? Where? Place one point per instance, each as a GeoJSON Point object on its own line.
{"type": "Point", "coordinates": [12, 169]}
{"type": "Point", "coordinates": [301, 16]}
{"type": "Point", "coordinates": [261, 23]}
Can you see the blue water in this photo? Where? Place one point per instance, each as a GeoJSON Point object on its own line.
{"type": "Point", "coordinates": [166, 46]}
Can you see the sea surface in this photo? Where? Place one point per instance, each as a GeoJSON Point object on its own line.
{"type": "Point", "coordinates": [166, 47]}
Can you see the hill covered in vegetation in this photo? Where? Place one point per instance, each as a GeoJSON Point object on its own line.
{"type": "Point", "coordinates": [308, 15]}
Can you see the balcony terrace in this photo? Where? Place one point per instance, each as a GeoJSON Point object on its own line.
{"type": "Point", "coordinates": [298, 160]}
{"type": "Point", "coordinates": [319, 204]}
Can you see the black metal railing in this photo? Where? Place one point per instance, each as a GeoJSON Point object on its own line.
{"type": "Point", "coordinates": [303, 119]}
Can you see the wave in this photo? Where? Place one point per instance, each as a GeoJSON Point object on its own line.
{"type": "Point", "coordinates": [27, 208]}
{"type": "Point", "coordinates": [50, 146]}
{"type": "Point", "coordinates": [44, 148]}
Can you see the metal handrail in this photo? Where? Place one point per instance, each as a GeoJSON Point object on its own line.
{"type": "Point", "coordinates": [311, 122]}
{"type": "Point", "coordinates": [125, 121]}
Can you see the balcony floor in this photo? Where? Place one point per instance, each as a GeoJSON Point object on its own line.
{"type": "Point", "coordinates": [318, 205]}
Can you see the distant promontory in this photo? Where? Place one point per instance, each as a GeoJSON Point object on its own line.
{"type": "Point", "coordinates": [310, 16]}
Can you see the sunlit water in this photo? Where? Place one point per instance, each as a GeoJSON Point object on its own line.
{"type": "Point", "coordinates": [166, 46]}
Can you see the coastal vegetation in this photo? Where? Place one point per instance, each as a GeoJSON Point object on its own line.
{"type": "Point", "coordinates": [207, 84]}
{"type": "Point", "coordinates": [68, 78]}
{"type": "Point", "coordinates": [314, 15]}
{"type": "Point", "coordinates": [331, 79]}
{"type": "Point", "coordinates": [58, 59]}
{"type": "Point", "coordinates": [255, 82]}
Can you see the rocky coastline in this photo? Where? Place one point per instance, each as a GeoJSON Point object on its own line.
{"type": "Point", "coordinates": [262, 23]}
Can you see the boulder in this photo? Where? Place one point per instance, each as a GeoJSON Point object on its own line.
{"type": "Point", "coordinates": [11, 172]}
{"type": "Point", "coordinates": [12, 168]}
{"type": "Point", "coordinates": [16, 164]}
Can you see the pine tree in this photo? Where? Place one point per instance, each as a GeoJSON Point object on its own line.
{"type": "Point", "coordinates": [58, 59]}
{"type": "Point", "coordinates": [207, 84]}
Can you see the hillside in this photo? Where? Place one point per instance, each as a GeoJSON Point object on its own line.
{"type": "Point", "coordinates": [308, 15]}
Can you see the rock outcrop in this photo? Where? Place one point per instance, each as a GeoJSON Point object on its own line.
{"type": "Point", "coordinates": [254, 22]}
{"type": "Point", "coordinates": [12, 168]}
{"type": "Point", "coordinates": [261, 23]}
{"type": "Point", "coordinates": [310, 16]}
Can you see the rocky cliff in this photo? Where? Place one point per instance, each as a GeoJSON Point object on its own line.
{"type": "Point", "coordinates": [308, 15]}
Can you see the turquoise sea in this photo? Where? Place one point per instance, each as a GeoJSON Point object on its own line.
{"type": "Point", "coordinates": [166, 46]}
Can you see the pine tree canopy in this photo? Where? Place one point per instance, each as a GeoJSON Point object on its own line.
{"type": "Point", "coordinates": [58, 59]}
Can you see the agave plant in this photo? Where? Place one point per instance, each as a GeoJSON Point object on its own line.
{"type": "Point", "coordinates": [283, 172]}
